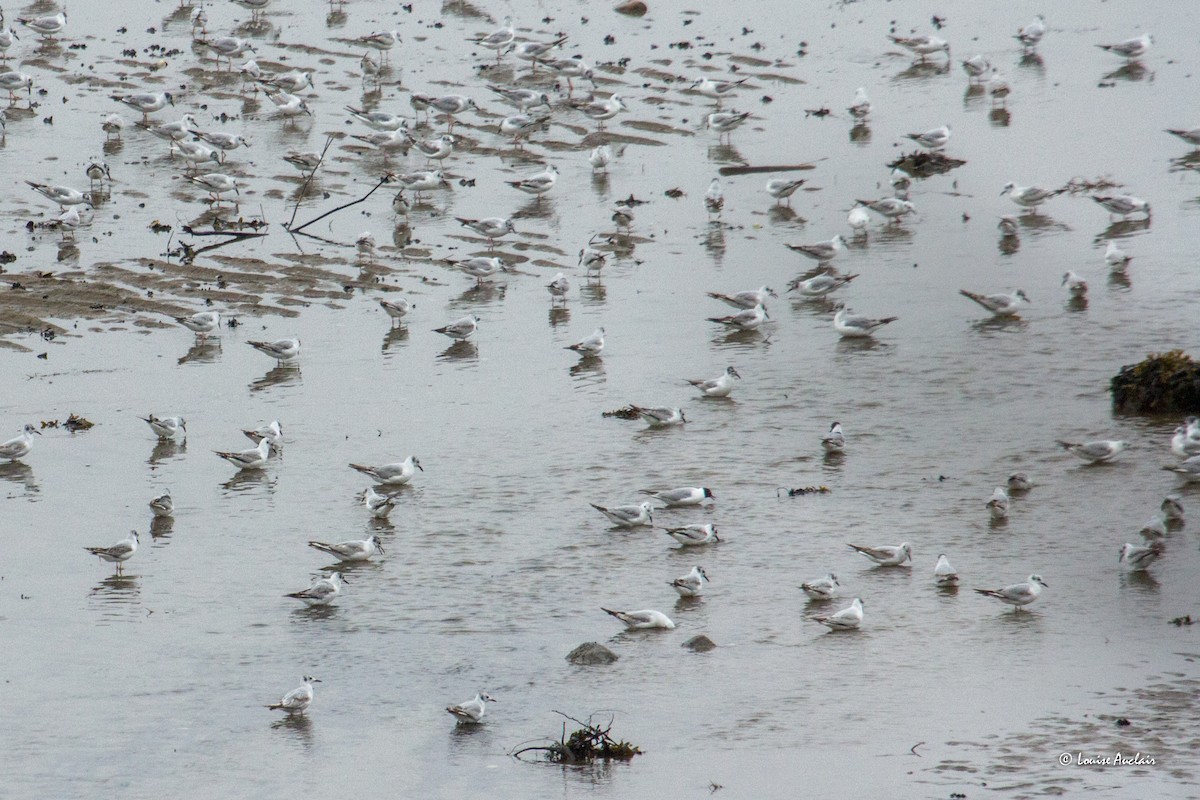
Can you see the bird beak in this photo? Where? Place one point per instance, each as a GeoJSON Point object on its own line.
{"type": "Point", "coordinates": [420, 468]}
{"type": "Point", "coordinates": [35, 430]}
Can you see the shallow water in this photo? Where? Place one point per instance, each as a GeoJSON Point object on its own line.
{"type": "Point", "coordinates": [496, 566]}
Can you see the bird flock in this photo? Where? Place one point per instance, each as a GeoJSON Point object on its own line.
{"type": "Point", "coordinates": [535, 110]}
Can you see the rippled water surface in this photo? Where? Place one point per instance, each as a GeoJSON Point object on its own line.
{"type": "Point", "coordinates": [496, 566]}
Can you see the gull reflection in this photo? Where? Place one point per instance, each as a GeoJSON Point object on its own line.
{"type": "Point", "coordinates": [165, 449]}
{"type": "Point", "coordinates": [203, 351]}
{"type": "Point", "coordinates": [277, 376]}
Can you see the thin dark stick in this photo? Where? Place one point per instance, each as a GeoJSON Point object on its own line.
{"type": "Point", "coordinates": [308, 180]}
{"type": "Point", "coordinates": [299, 228]}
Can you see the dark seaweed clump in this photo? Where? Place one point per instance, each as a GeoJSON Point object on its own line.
{"type": "Point", "coordinates": [1164, 383]}
{"type": "Point", "coordinates": [923, 164]}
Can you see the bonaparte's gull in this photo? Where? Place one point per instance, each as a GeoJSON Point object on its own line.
{"type": "Point", "coordinates": [934, 138]}
{"type": "Point", "coordinates": [835, 440]}
{"type": "Point", "coordinates": [63, 195]}
{"type": "Point", "coordinates": [117, 553]}
{"type": "Point", "coordinates": [854, 326]}
{"type": "Point", "coordinates": [216, 184]}
{"type": "Point", "coordinates": [1123, 205]}
{"type": "Point", "coordinates": [570, 68]}
{"type": "Point", "coordinates": [539, 183]}
{"type": "Point", "coordinates": [383, 41]}
{"type": "Point", "coordinates": [821, 251]}
{"type": "Point", "coordinates": [306, 161]}
{"type": "Point", "coordinates": [435, 149]}
{"type": "Point", "coordinates": [254, 458]}
{"type": "Point", "coordinates": [1018, 594]}
{"type": "Point", "coordinates": [378, 505]}
{"type": "Point", "coordinates": [289, 105]}
{"type": "Point", "coordinates": [861, 107]}
{"type": "Point", "coordinates": [479, 267]}
{"type": "Point", "coordinates": [472, 711]}
{"type": "Point", "coordinates": [891, 207]}
{"type": "Point", "coordinates": [1019, 483]}
{"type": "Point", "coordinates": [1130, 48]}
{"type": "Point", "coordinates": [601, 110]}
{"type": "Point", "coordinates": [685, 496]}
{"type": "Point", "coordinates": [1029, 196]}
{"type": "Point", "coordinates": [1154, 529]}
{"type": "Point", "coordinates": [660, 416]}
{"type": "Point", "coordinates": [163, 505]}
{"type": "Point", "coordinates": [145, 102]}
{"type": "Point", "coordinates": [295, 81]}
{"type": "Point", "coordinates": [397, 309]}
{"type": "Point", "coordinates": [923, 45]}
{"type": "Point", "coordinates": [1172, 508]}
{"type": "Point", "coordinates": [1189, 470]}
{"type": "Point", "coordinates": [322, 591]}
{"type": "Point", "coordinates": [858, 219]}
{"type": "Point", "coordinates": [822, 588]}
{"type": "Point", "coordinates": [201, 323]}
{"type": "Point", "coordinates": [694, 535]}
{"type": "Point", "coordinates": [112, 126]}
{"type": "Point", "coordinates": [716, 89]}
{"type": "Point", "coordinates": [714, 198]}
{"type": "Point", "coordinates": [976, 66]}
{"type": "Point", "coordinates": [1095, 452]}
{"type": "Point", "coordinates": [592, 260]}
{"type": "Point", "coordinates": [280, 349]}
{"type": "Point", "coordinates": [378, 120]}
{"type": "Point", "coordinates": [1076, 285]}
{"type": "Point", "coordinates": [1001, 305]}
{"type": "Point", "coordinates": [783, 188]}
{"type": "Point", "coordinates": [45, 26]}
{"type": "Point", "coordinates": [1136, 558]}
{"type": "Point", "coordinates": [847, 619]}
{"type": "Point", "coordinates": [11, 81]}
{"type": "Point", "coordinates": [820, 285]}
{"type": "Point", "coordinates": [394, 474]}
{"type": "Point", "coordinates": [451, 105]}
{"type": "Point", "coordinates": [1032, 33]}
{"type": "Point", "coordinates": [885, 555]}
{"type": "Point", "coordinates": [997, 506]}
{"type": "Point", "coordinates": [272, 431]}
{"type": "Point", "coordinates": [229, 47]}
{"type": "Point", "coordinates": [943, 573]}
{"type": "Point", "coordinates": [297, 700]}
{"type": "Point", "coordinates": [642, 620]}
{"type": "Point", "coordinates": [600, 157]}
{"type": "Point", "coordinates": [490, 227]}
{"type": "Point", "coordinates": [1183, 445]}
{"type": "Point", "coordinates": [522, 126]}
{"type": "Point", "coordinates": [1190, 135]}
{"type": "Point", "coordinates": [627, 516]}
{"type": "Point", "coordinates": [1116, 258]}
{"type": "Point", "coordinates": [353, 550]}
{"type": "Point", "coordinates": [460, 329]}
{"type": "Point", "coordinates": [165, 427]}
{"type": "Point", "coordinates": [559, 287]}
{"type": "Point", "coordinates": [593, 345]}
{"type": "Point", "coordinates": [747, 299]}
{"type": "Point", "coordinates": [724, 122]}
{"type": "Point", "coordinates": [532, 51]}
{"type": "Point", "coordinates": [720, 386]}
{"type": "Point", "coordinates": [20, 444]}
{"type": "Point", "coordinates": [747, 320]}
{"type": "Point", "coordinates": [691, 584]}
{"type": "Point", "coordinates": [498, 40]}
{"type": "Point", "coordinates": [173, 131]}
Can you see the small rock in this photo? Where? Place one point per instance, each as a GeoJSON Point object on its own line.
{"type": "Point", "coordinates": [700, 644]}
{"type": "Point", "coordinates": [591, 653]}
{"type": "Point", "coordinates": [633, 8]}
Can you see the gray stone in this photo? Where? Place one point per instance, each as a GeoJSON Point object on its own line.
{"type": "Point", "coordinates": [699, 644]}
{"type": "Point", "coordinates": [590, 653]}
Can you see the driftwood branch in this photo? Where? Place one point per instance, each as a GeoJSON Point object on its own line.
{"type": "Point", "coordinates": [299, 228]}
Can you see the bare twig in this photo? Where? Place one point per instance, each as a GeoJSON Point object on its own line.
{"type": "Point", "coordinates": [913, 749]}
{"type": "Point", "coordinates": [308, 180]}
{"type": "Point", "coordinates": [299, 228]}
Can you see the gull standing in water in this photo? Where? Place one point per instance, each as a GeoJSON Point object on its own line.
{"type": "Point", "coordinates": [1096, 452]}
{"type": "Point", "coordinates": [714, 199]}
{"type": "Point", "coordinates": [1123, 205]}
{"type": "Point", "coordinates": [20, 444]}
{"type": "Point", "coordinates": [383, 41]}
{"type": "Point", "coordinates": [297, 700]}
{"type": "Point", "coordinates": [490, 227]}
{"type": "Point", "coordinates": [254, 458]}
{"type": "Point", "coordinates": [1018, 594]}
{"type": "Point", "coordinates": [694, 535]}
{"type": "Point", "coordinates": [1116, 258]}
{"type": "Point", "coordinates": [680, 498]}
{"type": "Point", "coordinates": [353, 550]}
{"type": "Point", "coordinates": [1130, 48]}
{"type": "Point", "coordinates": [1031, 34]}
{"type": "Point", "coordinates": [472, 711]}
{"type": "Point", "coordinates": [460, 329]}
{"type": "Point", "coordinates": [201, 323]}
{"type": "Point", "coordinates": [747, 299]}
{"type": "Point", "coordinates": [1019, 483]}
{"type": "Point", "coordinates": [716, 89]}
{"type": "Point", "coordinates": [498, 40]}
{"type": "Point", "coordinates": [690, 585]}
{"type": "Point", "coordinates": [822, 588]}
{"type": "Point", "coordinates": [322, 591]}
{"type": "Point", "coordinates": [943, 573]}
{"type": "Point", "coordinates": [165, 427]}
{"type": "Point", "coordinates": [860, 109]}
{"type": "Point", "coordinates": [783, 189]}
{"type": "Point", "coordinates": [642, 620]}
{"type": "Point", "coordinates": [893, 208]}
{"type": "Point", "coordinates": [395, 474]}
{"type": "Point", "coordinates": [378, 505]}
{"type": "Point", "coordinates": [117, 553]}
{"type": "Point", "coordinates": [537, 184]}
{"type": "Point", "coordinates": [723, 122]}
{"type": "Point", "coordinates": [396, 309]}
{"type": "Point", "coordinates": [591, 346]}
{"type": "Point", "coordinates": [627, 516]}
{"type": "Point", "coordinates": [933, 139]}
{"type": "Point", "coordinates": [1076, 285]}
{"type": "Point", "coordinates": [720, 386]}
{"type": "Point", "coordinates": [852, 326]}
{"type": "Point", "coordinates": [281, 349]}
{"type": "Point", "coordinates": [976, 67]}
{"type": "Point", "coordinates": [997, 506]}
{"type": "Point", "coordinates": [1029, 196]}
{"type": "Point", "coordinates": [163, 505]}
{"type": "Point", "coordinates": [558, 288]}
{"type": "Point", "coordinates": [660, 417]}
{"type": "Point", "coordinates": [885, 555]}
{"type": "Point", "coordinates": [820, 285]}
{"type": "Point", "coordinates": [821, 252]}
{"type": "Point", "coordinates": [747, 320]}
{"type": "Point", "coordinates": [1137, 558]}
{"type": "Point", "coordinates": [847, 619]}
{"type": "Point", "coordinates": [922, 46]}
{"type": "Point", "coordinates": [1001, 305]}
{"type": "Point", "coordinates": [835, 440]}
